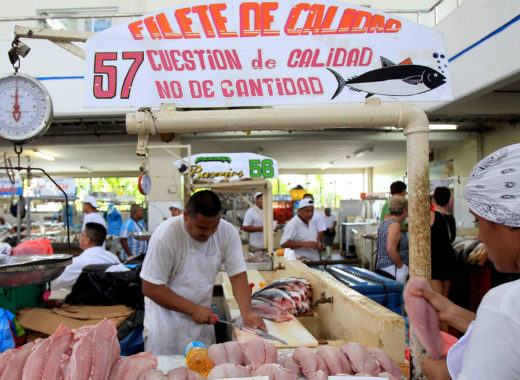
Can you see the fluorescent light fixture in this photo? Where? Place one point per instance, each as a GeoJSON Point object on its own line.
{"type": "Point", "coordinates": [43, 155]}
{"type": "Point", "coordinates": [443, 127]}
{"type": "Point", "coordinates": [327, 165]}
{"type": "Point", "coordinates": [361, 152]}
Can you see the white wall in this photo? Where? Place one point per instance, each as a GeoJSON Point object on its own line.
{"type": "Point", "coordinates": [502, 135]}
{"type": "Point", "coordinates": [166, 185]}
{"type": "Point", "coordinates": [384, 175]}
{"type": "Point", "coordinates": [492, 60]}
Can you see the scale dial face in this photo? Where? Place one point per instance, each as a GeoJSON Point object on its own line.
{"type": "Point", "coordinates": [144, 184]}
{"type": "Point", "coordinates": [25, 108]}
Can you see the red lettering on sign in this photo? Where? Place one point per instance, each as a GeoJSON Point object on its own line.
{"type": "Point", "coordinates": [318, 19]}
{"type": "Point", "coordinates": [268, 18]}
{"type": "Point", "coordinates": [152, 27]}
{"type": "Point", "coordinates": [135, 29]}
{"type": "Point", "coordinates": [220, 21]}
{"type": "Point", "coordinates": [111, 74]}
{"type": "Point", "coordinates": [137, 56]}
{"type": "Point", "coordinates": [165, 27]}
{"type": "Point", "coordinates": [185, 23]}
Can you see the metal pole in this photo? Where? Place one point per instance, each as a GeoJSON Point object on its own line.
{"type": "Point", "coordinates": [416, 132]}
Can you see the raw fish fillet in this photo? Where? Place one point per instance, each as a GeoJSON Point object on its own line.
{"type": "Point", "coordinates": [183, 373]}
{"type": "Point", "coordinates": [318, 375]}
{"type": "Point", "coordinates": [386, 363]}
{"type": "Point", "coordinates": [359, 358]}
{"type": "Point", "coordinates": [223, 371]}
{"type": "Point", "coordinates": [272, 313]}
{"type": "Point", "coordinates": [274, 371]}
{"type": "Point", "coordinates": [12, 361]}
{"type": "Point", "coordinates": [259, 351]}
{"type": "Point", "coordinates": [337, 363]}
{"type": "Point", "coordinates": [152, 374]}
{"type": "Point", "coordinates": [423, 317]}
{"type": "Point", "coordinates": [309, 361]}
{"type": "Point", "coordinates": [45, 360]}
{"type": "Point", "coordinates": [228, 352]}
{"type": "Point", "coordinates": [131, 367]}
{"type": "Point", "coordinates": [94, 352]}
{"type": "Point", "coordinates": [287, 361]}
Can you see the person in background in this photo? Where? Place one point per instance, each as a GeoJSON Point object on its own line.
{"type": "Point", "coordinates": [90, 241]}
{"type": "Point", "coordinates": [175, 209]}
{"type": "Point", "coordinates": [489, 349]}
{"type": "Point", "coordinates": [318, 218]}
{"type": "Point", "coordinates": [443, 233]}
{"type": "Point", "coordinates": [392, 245]}
{"type": "Point", "coordinates": [330, 232]}
{"type": "Point", "coordinates": [4, 225]}
{"type": "Point", "coordinates": [90, 207]}
{"type": "Point", "coordinates": [179, 272]}
{"type": "Point", "coordinates": [300, 232]}
{"type": "Point", "coordinates": [254, 224]}
{"type": "Point", "coordinates": [114, 221]}
{"type": "Point", "coordinates": [397, 189]}
{"type": "Point", "coordinates": [133, 247]}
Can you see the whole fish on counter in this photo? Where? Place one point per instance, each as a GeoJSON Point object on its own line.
{"type": "Point", "coordinates": [290, 295]}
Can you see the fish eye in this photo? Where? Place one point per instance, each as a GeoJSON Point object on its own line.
{"type": "Point", "coordinates": [435, 75]}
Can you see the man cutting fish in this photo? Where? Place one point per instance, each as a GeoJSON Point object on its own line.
{"type": "Point", "coordinates": [183, 258]}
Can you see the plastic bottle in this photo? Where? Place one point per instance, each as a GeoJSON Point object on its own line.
{"type": "Point", "coordinates": [197, 359]}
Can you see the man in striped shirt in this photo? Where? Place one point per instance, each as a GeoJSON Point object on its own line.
{"type": "Point", "coordinates": [134, 224]}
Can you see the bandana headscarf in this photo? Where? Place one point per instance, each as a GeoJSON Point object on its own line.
{"type": "Point", "coordinates": [493, 190]}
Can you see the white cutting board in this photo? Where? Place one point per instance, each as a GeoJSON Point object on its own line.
{"type": "Point", "coordinates": [292, 332]}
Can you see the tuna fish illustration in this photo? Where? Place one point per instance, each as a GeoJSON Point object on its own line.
{"type": "Point", "coordinates": [404, 79]}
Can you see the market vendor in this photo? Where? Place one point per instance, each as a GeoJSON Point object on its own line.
{"type": "Point", "coordinates": [90, 241]}
{"type": "Point", "coordinates": [132, 246]}
{"type": "Point", "coordinates": [318, 218]}
{"type": "Point", "coordinates": [179, 271]}
{"type": "Point", "coordinates": [489, 349]}
{"type": "Point", "coordinates": [301, 234]}
{"type": "Point", "coordinates": [90, 207]}
{"type": "Point", "coordinates": [254, 224]}
{"type": "Point", "coordinates": [176, 209]}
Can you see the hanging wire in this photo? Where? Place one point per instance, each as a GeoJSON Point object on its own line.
{"type": "Point", "coordinates": [14, 54]}
{"type": "Point", "coordinates": [9, 169]}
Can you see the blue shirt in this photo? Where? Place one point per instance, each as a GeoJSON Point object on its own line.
{"type": "Point", "coordinates": [130, 226]}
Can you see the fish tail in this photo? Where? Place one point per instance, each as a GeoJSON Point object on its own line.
{"type": "Point", "coordinates": [341, 83]}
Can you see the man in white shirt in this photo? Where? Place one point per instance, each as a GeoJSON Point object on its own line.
{"type": "Point", "coordinates": [90, 241]}
{"type": "Point", "coordinates": [300, 232]}
{"type": "Point", "coordinates": [254, 224]}
{"type": "Point", "coordinates": [176, 209]}
{"type": "Point", "coordinates": [90, 209]}
{"type": "Point", "coordinates": [330, 232]}
{"type": "Point", "coordinates": [179, 271]}
{"type": "Point", "coordinates": [318, 218]}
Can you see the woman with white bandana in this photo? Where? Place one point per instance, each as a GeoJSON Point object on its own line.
{"type": "Point", "coordinates": [490, 348]}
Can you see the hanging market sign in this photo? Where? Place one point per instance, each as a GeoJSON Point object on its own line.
{"type": "Point", "coordinates": [243, 53]}
{"type": "Point", "coordinates": [8, 188]}
{"type": "Point", "coordinates": [44, 187]}
{"type": "Point", "coordinates": [216, 167]}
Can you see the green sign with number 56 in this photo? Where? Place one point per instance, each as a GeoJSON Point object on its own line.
{"type": "Point", "coordinates": [261, 168]}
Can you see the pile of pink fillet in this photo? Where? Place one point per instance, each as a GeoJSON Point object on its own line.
{"type": "Point", "coordinates": [260, 358]}
{"type": "Point", "coordinates": [90, 352]}
{"type": "Point", "coordinates": [93, 353]}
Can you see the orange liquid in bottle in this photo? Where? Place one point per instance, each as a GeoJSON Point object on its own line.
{"type": "Point", "coordinates": [197, 359]}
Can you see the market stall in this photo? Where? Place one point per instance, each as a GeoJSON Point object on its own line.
{"type": "Point", "coordinates": [304, 81]}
